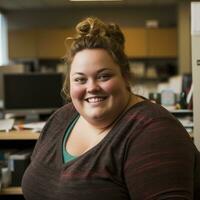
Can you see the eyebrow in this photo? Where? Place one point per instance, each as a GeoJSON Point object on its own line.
{"type": "Point", "coordinates": [99, 71]}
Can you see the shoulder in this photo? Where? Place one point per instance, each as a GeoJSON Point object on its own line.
{"type": "Point", "coordinates": [55, 126]}
{"type": "Point", "coordinates": [148, 121]}
{"type": "Point", "coordinates": [65, 111]}
{"type": "Point", "coordinates": [62, 114]}
{"type": "Point", "coordinates": [145, 112]}
{"type": "Point", "coordinates": [59, 119]}
{"type": "Point", "coordinates": [157, 132]}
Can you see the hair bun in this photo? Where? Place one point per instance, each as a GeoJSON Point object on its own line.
{"type": "Point", "coordinates": [94, 27]}
{"type": "Point", "coordinates": [91, 27]}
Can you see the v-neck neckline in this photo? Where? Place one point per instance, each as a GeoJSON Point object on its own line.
{"type": "Point", "coordinates": [107, 137]}
{"type": "Point", "coordinates": [65, 165]}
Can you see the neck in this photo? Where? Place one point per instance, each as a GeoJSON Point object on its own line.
{"type": "Point", "coordinates": [110, 125]}
{"type": "Point", "coordinates": [131, 100]}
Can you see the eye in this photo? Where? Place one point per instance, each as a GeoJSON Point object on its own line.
{"type": "Point", "coordinates": [80, 80]}
{"type": "Point", "coordinates": [104, 77]}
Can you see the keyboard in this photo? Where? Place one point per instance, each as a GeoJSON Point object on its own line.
{"type": "Point", "coordinates": [6, 124]}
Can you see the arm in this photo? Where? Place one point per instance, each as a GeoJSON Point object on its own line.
{"type": "Point", "coordinates": [159, 162]}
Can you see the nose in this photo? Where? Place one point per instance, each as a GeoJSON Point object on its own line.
{"type": "Point", "coordinates": [93, 86]}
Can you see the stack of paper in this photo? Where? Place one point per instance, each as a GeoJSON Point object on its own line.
{"type": "Point", "coordinates": [6, 124]}
{"type": "Point", "coordinates": [34, 126]}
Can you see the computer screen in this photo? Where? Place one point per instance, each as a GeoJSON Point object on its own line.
{"type": "Point", "coordinates": [8, 69]}
{"type": "Point", "coordinates": [32, 93]}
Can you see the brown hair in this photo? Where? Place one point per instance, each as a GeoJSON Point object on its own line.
{"type": "Point", "coordinates": [92, 33]}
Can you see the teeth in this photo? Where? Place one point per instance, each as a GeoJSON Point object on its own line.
{"type": "Point", "coordinates": [95, 99]}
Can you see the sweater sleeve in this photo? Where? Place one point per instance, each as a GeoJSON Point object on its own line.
{"type": "Point", "coordinates": [159, 162]}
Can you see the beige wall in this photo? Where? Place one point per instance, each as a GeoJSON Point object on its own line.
{"type": "Point", "coordinates": [184, 38]}
{"type": "Point", "coordinates": [196, 95]}
{"type": "Point", "coordinates": [125, 16]}
{"type": "Point", "coordinates": [196, 71]}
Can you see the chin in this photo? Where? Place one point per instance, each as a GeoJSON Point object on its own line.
{"type": "Point", "coordinates": [95, 116]}
{"type": "Point", "coordinates": [98, 116]}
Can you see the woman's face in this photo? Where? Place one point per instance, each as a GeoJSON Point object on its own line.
{"type": "Point", "coordinates": [97, 88]}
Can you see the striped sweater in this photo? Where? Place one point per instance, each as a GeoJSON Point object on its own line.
{"type": "Point", "coordinates": [147, 155]}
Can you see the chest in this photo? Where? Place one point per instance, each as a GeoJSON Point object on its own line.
{"type": "Point", "coordinates": [94, 175]}
{"type": "Point", "coordinates": [81, 140]}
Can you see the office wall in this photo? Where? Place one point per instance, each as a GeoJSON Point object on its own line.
{"type": "Point", "coordinates": [124, 16]}
{"type": "Point", "coordinates": [195, 34]}
{"type": "Point", "coordinates": [184, 38]}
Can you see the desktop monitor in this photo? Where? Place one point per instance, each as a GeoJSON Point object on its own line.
{"type": "Point", "coordinates": [8, 69]}
{"type": "Point", "coordinates": [32, 93]}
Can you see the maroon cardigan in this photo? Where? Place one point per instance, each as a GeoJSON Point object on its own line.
{"type": "Point", "coordinates": [147, 155]}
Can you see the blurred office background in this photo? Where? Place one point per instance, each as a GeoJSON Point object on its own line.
{"type": "Point", "coordinates": [158, 44]}
{"type": "Point", "coordinates": [157, 34]}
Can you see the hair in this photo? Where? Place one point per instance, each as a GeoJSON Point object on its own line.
{"type": "Point", "coordinates": [92, 33]}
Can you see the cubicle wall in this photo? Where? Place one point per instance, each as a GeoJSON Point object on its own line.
{"type": "Point", "coordinates": [195, 33]}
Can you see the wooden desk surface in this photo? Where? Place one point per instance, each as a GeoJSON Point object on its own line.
{"type": "Point", "coordinates": [11, 191]}
{"type": "Point", "coordinates": [19, 135]}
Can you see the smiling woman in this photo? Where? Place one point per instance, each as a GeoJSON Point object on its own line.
{"type": "Point", "coordinates": [109, 143]}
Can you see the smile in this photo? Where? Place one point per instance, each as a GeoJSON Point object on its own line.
{"type": "Point", "coordinates": [95, 99]}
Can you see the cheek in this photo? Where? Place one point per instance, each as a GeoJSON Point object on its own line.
{"type": "Point", "coordinates": [114, 86]}
{"type": "Point", "coordinates": [76, 92]}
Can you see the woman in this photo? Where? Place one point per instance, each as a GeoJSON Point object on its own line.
{"type": "Point", "coordinates": [109, 143]}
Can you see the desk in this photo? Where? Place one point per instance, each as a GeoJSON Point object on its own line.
{"type": "Point", "coordinates": [19, 135]}
{"type": "Point", "coordinates": [11, 191]}
{"type": "Point", "coordinates": [16, 135]}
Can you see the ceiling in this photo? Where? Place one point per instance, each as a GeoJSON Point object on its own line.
{"type": "Point", "coordinates": [10, 5]}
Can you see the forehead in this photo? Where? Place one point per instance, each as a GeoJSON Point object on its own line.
{"type": "Point", "coordinates": [93, 59]}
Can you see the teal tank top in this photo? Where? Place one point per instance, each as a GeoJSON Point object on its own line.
{"type": "Point", "coordinates": [66, 156]}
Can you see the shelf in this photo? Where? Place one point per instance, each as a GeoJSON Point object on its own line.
{"type": "Point", "coordinates": [188, 125]}
{"type": "Point", "coordinates": [186, 111]}
{"type": "Point", "coordinates": [19, 135]}
{"type": "Point", "coordinates": [146, 79]}
{"type": "Point", "coordinates": [11, 191]}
